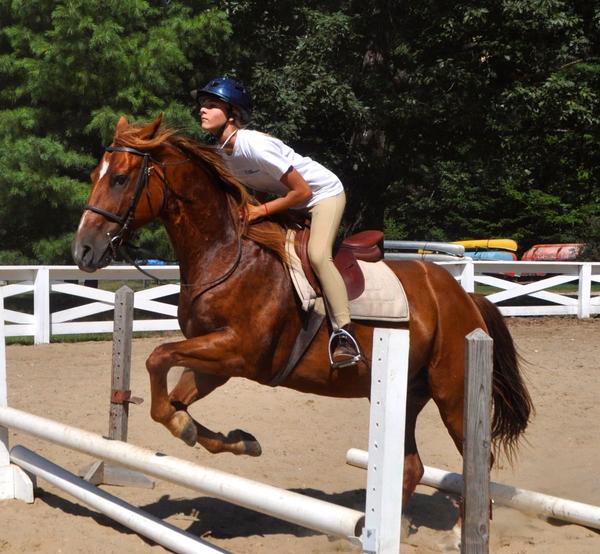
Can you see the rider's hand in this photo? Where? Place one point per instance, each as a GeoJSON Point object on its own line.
{"type": "Point", "coordinates": [255, 212]}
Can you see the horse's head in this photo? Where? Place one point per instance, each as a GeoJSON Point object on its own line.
{"type": "Point", "coordinates": [128, 190]}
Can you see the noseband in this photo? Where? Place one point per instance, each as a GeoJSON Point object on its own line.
{"type": "Point", "coordinates": [126, 219]}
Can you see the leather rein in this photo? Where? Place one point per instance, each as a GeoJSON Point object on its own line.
{"type": "Point", "coordinates": [116, 244]}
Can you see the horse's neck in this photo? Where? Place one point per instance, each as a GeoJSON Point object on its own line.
{"type": "Point", "coordinates": [200, 223]}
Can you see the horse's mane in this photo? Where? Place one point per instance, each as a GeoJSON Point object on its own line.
{"type": "Point", "coordinates": [269, 234]}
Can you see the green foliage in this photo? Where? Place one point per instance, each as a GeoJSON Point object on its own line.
{"type": "Point", "coordinates": [444, 120]}
{"type": "Point", "coordinates": [591, 239]}
{"type": "Point", "coordinates": [69, 70]}
{"type": "Point", "coordinates": [153, 242]}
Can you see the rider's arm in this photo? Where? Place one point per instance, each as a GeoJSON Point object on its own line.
{"type": "Point", "coordinates": [299, 192]}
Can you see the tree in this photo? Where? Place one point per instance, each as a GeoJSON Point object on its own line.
{"type": "Point", "coordinates": [497, 126]}
{"type": "Point", "coordinates": [443, 120]}
{"type": "Point", "coordinates": [70, 69]}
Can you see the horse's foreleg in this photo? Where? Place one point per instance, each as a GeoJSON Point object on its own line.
{"type": "Point", "coordinates": [210, 361]}
{"type": "Point", "coordinates": [193, 386]}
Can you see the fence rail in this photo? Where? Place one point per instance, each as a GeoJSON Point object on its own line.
{"type": "Point", "coordinates": [29, 311]}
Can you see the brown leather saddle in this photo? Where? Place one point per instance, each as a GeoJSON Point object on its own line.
{"type": "Point", "coordinates": [365, 246]}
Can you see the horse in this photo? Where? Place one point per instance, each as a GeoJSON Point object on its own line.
{"type": "Point", "coordinates": [240, 315]}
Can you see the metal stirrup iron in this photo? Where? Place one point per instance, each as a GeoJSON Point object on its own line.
{"type": "Point", "coordinates": [337, 334]}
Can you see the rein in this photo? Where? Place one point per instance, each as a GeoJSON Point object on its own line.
{"type": "Point", "coordinates": [117, 243]}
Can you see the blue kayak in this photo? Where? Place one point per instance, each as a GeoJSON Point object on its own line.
{"type": "Point", "coordinates": [491, 255]}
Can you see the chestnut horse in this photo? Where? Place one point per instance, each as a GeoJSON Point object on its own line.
{"type": "Point", "coordinates": [239, 312]}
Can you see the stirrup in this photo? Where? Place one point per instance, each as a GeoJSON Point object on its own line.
{"type": "Point", "coordinates": [350, 361]}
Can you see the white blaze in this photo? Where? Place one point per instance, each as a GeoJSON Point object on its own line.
{"type": "Point", "coordinates": [103, 169]}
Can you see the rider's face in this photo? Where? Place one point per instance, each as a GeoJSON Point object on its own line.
{"type": "Point", "coordinates": [213, 114]}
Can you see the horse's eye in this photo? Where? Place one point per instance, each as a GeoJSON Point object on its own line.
{"type": "Point", "coordinates": [118, 179]}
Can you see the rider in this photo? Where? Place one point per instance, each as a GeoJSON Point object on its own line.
{"type": "Point", "coordinates": [267, 165]}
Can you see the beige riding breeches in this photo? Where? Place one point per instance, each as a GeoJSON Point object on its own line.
{"type": "Point", "coordinates": [326, 218]}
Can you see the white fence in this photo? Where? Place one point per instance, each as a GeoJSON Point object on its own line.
{"type": "Point", "coordinates": [34, 286]}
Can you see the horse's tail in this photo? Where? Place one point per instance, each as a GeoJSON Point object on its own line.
{"type": "Point", "coordinates": [512, 403]}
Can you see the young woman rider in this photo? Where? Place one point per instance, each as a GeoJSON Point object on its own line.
{"type": "Point", "coordinates": [267, 165]}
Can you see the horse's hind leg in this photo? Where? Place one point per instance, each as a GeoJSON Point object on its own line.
{"type": "Point", "coordinates": [193, 386]}
{"type": "Point", "coordinates": [446, 380]}
{"type": "Point", "coordinates": [418, 396]}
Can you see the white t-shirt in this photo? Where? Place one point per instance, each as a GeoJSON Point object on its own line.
{"type": "Point", "coordinates": [259, 161]}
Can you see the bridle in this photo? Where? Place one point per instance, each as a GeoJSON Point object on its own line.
{"type": "Point", "coordinates": [117, 242]}
{"type": "Point", "coordinates": [125, 220]}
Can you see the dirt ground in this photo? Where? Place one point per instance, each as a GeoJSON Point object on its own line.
{"type": "Point", "coordinates": [304, 440]}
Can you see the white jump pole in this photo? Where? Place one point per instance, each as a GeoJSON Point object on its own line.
{"type": "Point", "coordinates": [293, 507]}
{"type": "Point", "coordinates": [14, 482]}
{"type": "Point", "coordinates": [504, 495]}
{"type": "Point", "coordinates": [118, 510]}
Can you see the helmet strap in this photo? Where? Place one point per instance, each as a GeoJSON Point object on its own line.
{"type": "Point", "coordinates": [219, 132]}
{"type": "Point", "coordinates": [233, 133]}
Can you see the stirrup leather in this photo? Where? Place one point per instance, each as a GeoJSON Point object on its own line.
{"type": "Point", "coordinates": [337, 333]}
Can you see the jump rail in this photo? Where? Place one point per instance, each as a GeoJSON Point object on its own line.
{"type": "Point", "coordinates": [289, 506]}
{"type": "Point", "coordinates": [35, 285]}
{"type": "Point", "coordinates": [504, 495]}
{"type": "Point", "coordinates": [117, 509]}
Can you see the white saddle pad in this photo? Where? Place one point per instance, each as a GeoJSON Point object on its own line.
{"type": "Point", "coordinates": [383, 299]}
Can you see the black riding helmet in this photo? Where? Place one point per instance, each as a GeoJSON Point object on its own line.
{"type": "Point", "coordinates": [230, 91]}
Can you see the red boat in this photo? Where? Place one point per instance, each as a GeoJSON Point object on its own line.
{"type": "Point", "coordinates": [567, 252]}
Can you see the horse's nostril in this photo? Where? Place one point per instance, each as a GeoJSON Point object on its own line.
{"type": "Point", "coordinates": [87, 254]}
{"type": "Point", "coordinates": [83, 254]}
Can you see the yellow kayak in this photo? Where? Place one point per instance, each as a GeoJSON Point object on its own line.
{"type": "Point", "coordinates": [498, 244]}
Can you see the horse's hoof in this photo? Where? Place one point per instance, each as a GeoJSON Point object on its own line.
{"type": "Point", "coordinates": [186, 428]}
{"type": "Point", "coordinates": [250, 446]}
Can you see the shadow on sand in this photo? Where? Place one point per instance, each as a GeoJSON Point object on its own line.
{"type": "Point", "coordinates": [210, 517]}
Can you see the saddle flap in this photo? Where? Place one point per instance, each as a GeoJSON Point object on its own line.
{"type": "Point", "coordinates": [301, 247]}
{"type": "Point", "coordinates": [345, 259]}
{"type": "Point", "coordinates": [347, 265]}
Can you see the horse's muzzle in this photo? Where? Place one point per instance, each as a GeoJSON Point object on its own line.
{"type": "Point", "coordinates": [90, 256]}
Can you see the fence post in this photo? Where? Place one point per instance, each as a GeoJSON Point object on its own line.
{"type": "Point", "coordinates": [41, 305]}
{"type": "Point", "coordinates": [467, 278]}
{"type": "Point", "coordinates": [4, 458]}
{"type": "Point", "coordinates": [477, 443]}
{"type": "Point", "coordinates": [383, 510]}
{"type": "Point", "coordinates": [584, 293]}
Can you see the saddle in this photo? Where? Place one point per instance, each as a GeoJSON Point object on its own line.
{"type": "Point", "coordinates": [365, 246]}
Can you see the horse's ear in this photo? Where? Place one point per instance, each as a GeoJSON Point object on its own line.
{"type": "Point", "coordinates": [122, 123]}
{"type": "Point", "coordinates": [149, 130]}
